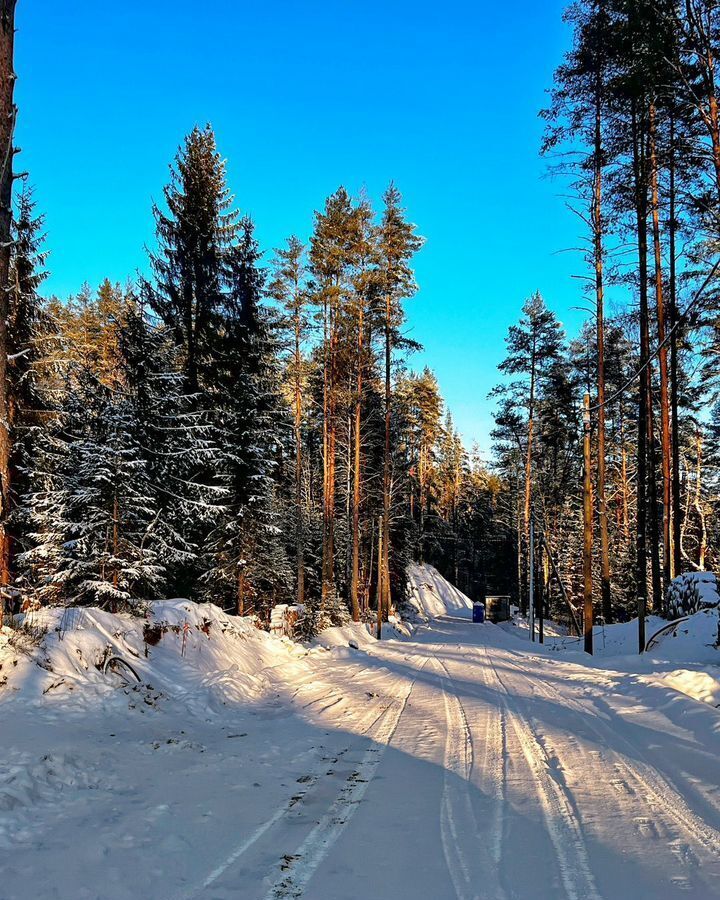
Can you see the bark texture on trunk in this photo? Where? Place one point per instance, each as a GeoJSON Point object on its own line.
{"type": "Point", "coordinates": [641, 518]}
{"type": "Point", "coordinates": [605, 590]}
{"type": "Point", "coordinates": [665, 437]}
{"type": "Point", "coordinates": [7, 128]}
{"type": "Point", "coordinates": [355, 570]}
{"type": "Point", "coordinates": [385, 560]}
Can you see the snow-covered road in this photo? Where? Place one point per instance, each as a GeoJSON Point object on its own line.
{"type": "Point", "coordinates": [462, 764]}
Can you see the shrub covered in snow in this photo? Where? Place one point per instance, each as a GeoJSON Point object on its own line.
{"type": "Point", "coordinates": [692, 591]}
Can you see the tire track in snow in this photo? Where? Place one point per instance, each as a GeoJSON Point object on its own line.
{"type": "Point", "coordinates": [556, 803]}
{"type": "Point", "coordinates": [494, 772]}
{"type": "Point", "coordinates": [366, 723]}
{"type": "Point", "coordinates": [469, 869]}
{"type": "Point", "coordinates": [303, 863]}
{"type": "Point", "coordinates": [644, 781]}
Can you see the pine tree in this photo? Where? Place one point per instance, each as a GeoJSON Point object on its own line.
{"type": "Point", "coordinates": [26, 325]}
{"type": "Point", "coordinates": [290, 289]}
{"type": "Point", "coordinates": [397, 244]}
{"type": "Point", "coordinates": [330, 264]}
{"type": "Point", "coordinates": [533, 347]}
{"type": "Point", "coordinates": [7, 128]}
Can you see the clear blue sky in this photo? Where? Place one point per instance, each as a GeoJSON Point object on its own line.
{"type": "Point", "coordinates": [305, 96]}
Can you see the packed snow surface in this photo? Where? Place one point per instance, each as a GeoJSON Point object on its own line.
{"type": "Point", "coordinates": [459, 763]}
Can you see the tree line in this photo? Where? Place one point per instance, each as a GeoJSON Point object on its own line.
{"type": "Point", "coordinates": [232, 426]}
{"type": "Point", "coordinates": [632, 128]}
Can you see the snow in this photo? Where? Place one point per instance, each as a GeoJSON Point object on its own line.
{"type": "Point", "coordinates": [432, 596]}
{"type": "Point", "coordinates": [450, 761]}
{"type": "Point", "coordinates": [692, 591]}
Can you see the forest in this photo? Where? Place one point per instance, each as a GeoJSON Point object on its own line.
{"type": "Point", "coordinates": [632, 132]}
{"type": "Point", "coordinates": [244, 424]}
{"type": "Point", "coordinates": [238, 426]}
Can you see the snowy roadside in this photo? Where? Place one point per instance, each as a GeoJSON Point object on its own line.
{"type": "Point", "coordinates": [686, 660]}
{"type": "Point", "coordinates": [146, 780]}
{"type": "Point", "coordinates": [246, 763]}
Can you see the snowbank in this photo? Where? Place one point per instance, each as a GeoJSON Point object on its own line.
{"type": "Point", "coordinates": [431, 595]}
{"type": "Point", "coordinates": [181, 649]}
{"type": "Point", "coordinates": [685, 659]}
{"type": "Point", "coordinates": [700, 684]}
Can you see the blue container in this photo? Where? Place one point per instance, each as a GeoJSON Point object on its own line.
{"type": "Point", "coordinates": [478, 612]}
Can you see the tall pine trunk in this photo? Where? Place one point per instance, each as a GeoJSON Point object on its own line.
{"type": "Point", "coordinates": [329, 447]}
{"type": "Point", "coordinates": [527, 506]}
{"type": "Point", "coordinates": [674, 369]}
{"type": "Point", "coordinates": [385, 561]}
{"type": "Point", "coordinates": [355, 573]}
{"type": "Point", "coordinates": [665, 437]}
{"type": "Point", "coordinates": [7, 127]}
{"type": "Point", "coordinates": [597, 224]}
{"type": "Point", "coordinates": [641, 518]}
{"type": "Point", "coordinates": [299, 511]}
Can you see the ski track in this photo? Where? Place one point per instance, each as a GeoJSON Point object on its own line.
{"type": "Point", "coordinates": [474, 864]}
{"type": "Point", "coordinates": [556, 802]}
{"type": "Point", "coordinates": [318, 843]}
{"type": "Point", "coordinates": [641, 782]}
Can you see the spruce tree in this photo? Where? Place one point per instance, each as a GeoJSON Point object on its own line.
{"type": "Point", "coordinates": [27, 323]}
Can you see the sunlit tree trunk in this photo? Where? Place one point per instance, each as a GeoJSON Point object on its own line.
{"type": "Point", "coordinates": [597, 225]}
{"type": "Point", "coordinates": [665, 437]}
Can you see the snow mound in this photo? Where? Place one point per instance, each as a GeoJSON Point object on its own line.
{"type": "Point", "coordinates": [700, 684]}
{"type": "Point", "coordinates": [692, 591]}
{"type": "Point", "coordinates": [182, 650]}
{"type": "Point", "coordinates": [431, 595]}
{"type": "Point", "coordinates": [694, 640]}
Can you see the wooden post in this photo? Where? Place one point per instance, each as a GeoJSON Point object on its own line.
{"type": "Point", "coordinates": [587, 531]}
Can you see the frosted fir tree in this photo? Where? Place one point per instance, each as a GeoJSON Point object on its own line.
{"type": "Point", "coordinates": [247, 564]}
{"type": "Point", "coordinates": [112, 559]}
{"type": "Point", "coordinates": [177, 442]}
{"type": "Point", "coordinates": [111, 487]}
{"type": "Point", "coordinates": [27, 326]}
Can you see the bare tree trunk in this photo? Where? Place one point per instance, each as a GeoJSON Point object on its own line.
{"type": "Point", "coordinates": [625, 489]}
{"type": "Point", "coordinates": [587, 531]}
{"type": "Point", "coordinates": [663, 357]}
{"type": "Point", "coordinates": [299, 510]}
{"type": "Point", "coordinates": [605, 593]}
{"type": "Point", "coordinates": [702, 537]}
{"type": "Point", "coordinates": [241, 593]}
{"type": "Point", "coordinates": [116, 548]}
{"type": "Point", "coordinates": [386, 600]}
{"type": "Point", "coordinates": [674, 387]}
{"type": "Point", "coordinates": [654, 522]}
{"type": "Point", "coordinates": [641, 519]}
{"type": "Point", "coordinates": [7, 128]}
{"type": "Point", "coordinates": [330, 452]}
{"type": "Point", "coordinates": [379, 588]}
{"type": "Point", "coordinates": [528, 458]}
{"type": "Point", "coordinates": [355, 573]}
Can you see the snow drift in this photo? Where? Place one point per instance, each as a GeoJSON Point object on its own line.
{"type": "Point", "coordinates": [431, 595]}
{"type": "Point", "coordinates": [182, 649]}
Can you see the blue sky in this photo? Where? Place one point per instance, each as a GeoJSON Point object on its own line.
{"type": "Point", "coordinates": [305, 96]}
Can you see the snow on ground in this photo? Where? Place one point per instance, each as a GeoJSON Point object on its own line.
{"type": "Point", "coordinates": [432, 596]}
{"type": "Point", "coordinates": [686, 659]}
{"type": "Point", "coordinates": [455, 763]}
